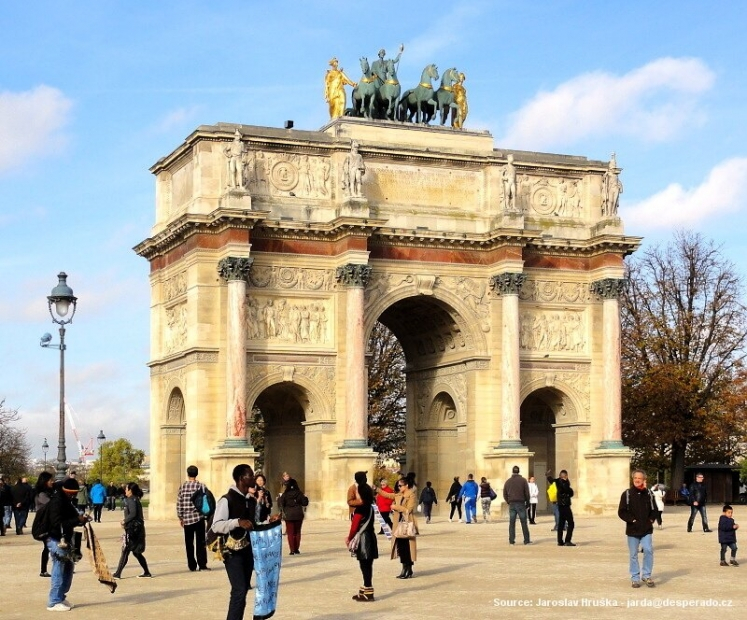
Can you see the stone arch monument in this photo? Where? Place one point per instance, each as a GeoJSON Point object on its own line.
{"type": "Point", "coordinates": [267, 276]}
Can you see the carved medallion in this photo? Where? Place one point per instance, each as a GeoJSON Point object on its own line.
{"type": "Point", "coordinates": [543, 200]}
{"type": "Point", "coordinates": [284, 176]}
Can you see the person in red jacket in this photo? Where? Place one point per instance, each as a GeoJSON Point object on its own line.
{"type": "Point", "coordinates": [384, 504]}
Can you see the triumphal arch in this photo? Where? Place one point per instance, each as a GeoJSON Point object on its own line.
{"type": "Point", "coordinates": [276, 251]}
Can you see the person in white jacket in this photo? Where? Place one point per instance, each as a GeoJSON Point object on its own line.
{"type": "Point", "coordinates": [533, 498]}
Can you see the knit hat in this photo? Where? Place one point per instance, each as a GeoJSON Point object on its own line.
{"type": "Point", "coordinates": [71, 485]}
{"type": "Point", "coordinates": [360, 477]}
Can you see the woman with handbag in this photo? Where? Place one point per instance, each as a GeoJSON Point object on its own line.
{"type": "Point", "coordinates": [406, 528]}
{"type": "Point", "coordinates": [291, 503]}
{"type": "Point", "coordinates": [134, 526]}
{"type": "Point", "coordinates": [361, 541]}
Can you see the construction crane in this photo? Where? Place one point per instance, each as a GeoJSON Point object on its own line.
{"type": "Point", "coordinates": [83, 451]}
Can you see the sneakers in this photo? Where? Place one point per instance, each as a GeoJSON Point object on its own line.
{"type": "Point", "coordinates": [636, 584]}
{"type": "Point", "coordinates": [734, 563]}
{"type": "Point", "coordinates": [723, 563]}
{"type": "Point", "coordinates": [145, 576]}
{"type": "Point", "coordinates": [649, 582]}
{"type": "Point", "coordinates": [58, 607]}
{"type": "Point", "coordinates": [67, 604]}
{"type": "Point", "coordinates": [44, 574]}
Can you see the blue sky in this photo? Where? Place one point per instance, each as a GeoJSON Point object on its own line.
{"type": "Point", "coordinates": [93, 93]}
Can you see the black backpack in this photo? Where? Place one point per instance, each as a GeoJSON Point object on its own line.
{"type": "Point", "coordinates": [41, 526]}
{"type": "Point", "coordinates": [204, 502]}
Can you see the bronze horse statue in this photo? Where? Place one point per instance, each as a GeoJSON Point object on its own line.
{"type": "Point", "coordinates": [414, 102]}
{"type": "Point", "coordinates": [388, 92]}
{"type": "Point", "coordinates": [364, 95]}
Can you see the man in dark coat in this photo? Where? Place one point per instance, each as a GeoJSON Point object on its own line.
{"type": "Point", "coordinates": [516, 495]}
{"type": "Point", "coordinates": [638, 510]}
{"type": "Point", "coordinates": [62, 518]}
{"type": "Point", "coordinates": [698, 500]}
{"type": "Point", "coordinates": [565, 513]}
{"type": "Point", "coordinates": [23, 495]}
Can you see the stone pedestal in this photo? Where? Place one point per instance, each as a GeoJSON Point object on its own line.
{"type": "Point", "coordinates": [500, 462]}
{"type": "Point", "coordinates": [354, 207]}
{"type": "Point", "coordinates": [236, 198]}
{"type": "Point", "coordinates": [344, 463]}
{"type": "Point", "coordinates": [612, 466]}
{"type": "Point", "coordinates": [222, 462]}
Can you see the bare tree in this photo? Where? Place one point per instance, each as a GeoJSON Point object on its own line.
{"type": "Point", "coordinates": [683, 344]}
{"type": "Point", "coordinates": [386, 393]}
{"type": "Point", "coordinates": [14, 449]}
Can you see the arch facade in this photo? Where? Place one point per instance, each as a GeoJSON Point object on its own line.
{"type": "Point", "coordinates": [264, 295]}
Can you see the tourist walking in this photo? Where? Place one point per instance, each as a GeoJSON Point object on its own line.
{"type": "Point", "coordinates": [516, 495]}
{"type": "Point", "coordinates": [192, 522]}
{"type": "Point", "coordinates": [234, 518]}
{"type": "Point", "coordinates": [366, 551]}
{"type": "Point", "coordinates": [405, 526]}
{"type": "Point", "coordinates": [23, 496]}
{"type": "Point", "coordinates": [427, 499]}
{"type": "Point", "coordinates": [727, 535]}
{"type": "Point", "coordinates": [6, 506]}
{"type": "Point", "coordinates": [453, 498]}
{"type": "Point", "coordinates": [565, 512]}
{"type": "Point", "coordinates": [487, 495]}
{"type": "Point", "coordinates": [98, 499]}
{"type": "Point", "coordinates": [469, 492]}
{"type": "Point", "coordinates": [384, 504]}
{"type": "Point", "coordinates": [638, 509]}
{"type": "Point", "coordinates": [292, 503]}
{"type": "Point", "coordinates": [658, 493]}
{"type": "Point", "coordinates": [134, 527]}
{"type": "Point", "coordinates": [43, 493]}
{"type": "Point", "coordinates": [533, 499]}
{"type": "Point", "coordinates": [698, 501]}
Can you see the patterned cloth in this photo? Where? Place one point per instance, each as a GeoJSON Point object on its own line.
{"type": "Point", "coordinates": [185, 510]}
{"type": "Point", "coordinates": [97, 559]}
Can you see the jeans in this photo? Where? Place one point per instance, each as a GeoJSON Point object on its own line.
{"type": "Point", "coordinates": [703, 516]}
{"type": "Point", "coordinates": [194, 534]}
{"type": "Point", "coordinates": [427, 510]}
{"type": "Point", "coordinates": [556, 513]}
{"type": "Point", "coordinates": [470, 509]}
{"type": "Point", "coordinates": [62, 572]}
{"type": "Point", "coordinates": [97, 508]}
{"type": "Point", "coordinates": [732, 546]}
{"type": "Point", "coordinates": [239, 566]}
{"type": "Point", "coordinates": [647, 543]}
{"type": "Point", "coordinates": [517, 509]}
{"type": "Point", "coordinates": [7, 513]}
{"type": "Point", "coordinates": [20, 515]}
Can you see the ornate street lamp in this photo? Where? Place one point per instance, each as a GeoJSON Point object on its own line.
{"type": "Point", "coordinates": [101, 438]}
{"type": "Point", "coordinates": [45, 447]}
{"type": "Point", "coordinates": [60, 302]}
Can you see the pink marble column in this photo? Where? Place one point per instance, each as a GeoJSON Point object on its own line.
{"type": "Point", "coordinates": [235, 271]}
{"type": "Point", "coordinates": [609, 290]}
{"type": "Point", "coordinates": [508, 286]}
{"type": "Point", "coordinates": [355, 278]}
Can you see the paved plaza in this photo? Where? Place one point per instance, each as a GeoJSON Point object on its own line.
{"type": "Point", "coordinates": [463, 571]}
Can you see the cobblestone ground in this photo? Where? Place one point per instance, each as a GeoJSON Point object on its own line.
{"type": "Point", "coordinates": [463, 571]}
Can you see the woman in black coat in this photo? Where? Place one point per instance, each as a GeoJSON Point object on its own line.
{"type": "Point", "coordinates": [452, 498]}
{"type": "Point", "coordinates": [134, 526]}
{"type": "Point", "coordinates": [42, 495]}
{"type": "Point", "coordinates": [364, 521]}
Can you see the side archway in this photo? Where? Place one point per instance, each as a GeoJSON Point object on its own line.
{"type": "Point", "coordinates": [173, 441]}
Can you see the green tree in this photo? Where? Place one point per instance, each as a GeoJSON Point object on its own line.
{"type": "Point", "coordinates": [119, 462]}
{"type": "Point", "coordinates": [683, 345]}
{"type": "Point", "coordinates": [14, 449]}
{"type": "Point", "coordinates": [386, 393]}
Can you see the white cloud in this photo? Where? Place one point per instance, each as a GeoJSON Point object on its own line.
{"type": "Point", "coordinates": [651, 103]}
{"type": "Point", "coordinates": [31, 124]}
{"type": "Point", "coordinates": [722, 192]}
{"type": "Point", "coordinates": [176, 118]}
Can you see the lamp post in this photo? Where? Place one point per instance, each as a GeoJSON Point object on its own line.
{"type": "Point", "coordinates": [45, 447]}
{"type": "Point", "coordinates": [101, 438]}
{"type": "Point", "coordinates": [60, 301]}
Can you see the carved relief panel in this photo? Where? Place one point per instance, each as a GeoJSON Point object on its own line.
{"type": "Point", "coordinates": [175, 286]}
{"type": "Point", "coordinates": [553, 330]}
{"type": "Point", "coordinates": [175, 334]}
{"type": "Point", "coordinates": [298, 321]}
{"type": "Point", "coordinates": [273, 277]}
{"type": "Point", "coordinates": [272, 174]}
{"type": "Point", "coordinates": [560, 197]}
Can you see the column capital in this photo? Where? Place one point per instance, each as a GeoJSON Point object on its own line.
{"type": "Point", "coordinates": [235, 268]}
{"type": "Point", "coordinates": [508, 283]}
{"type": "Point", "coordinates": [352, 275]}
{"type": "Point", "coordinates": [609, 288]}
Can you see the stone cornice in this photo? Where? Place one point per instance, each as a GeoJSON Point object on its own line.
{"type": "Point", "coordinates": [182, 359]}
{"type": "Point", "coordinates": [603, 244]}
{"type": "Point", "coordinates": [189, 225]}
{"type": "Point", "coordinates": [418, 237]}
{"type": "Point", "coordinates": [334, 230]}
